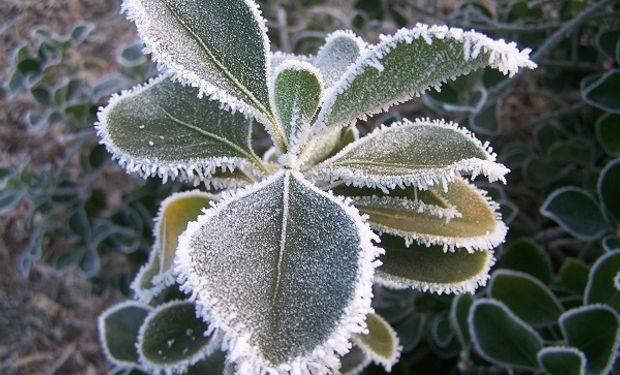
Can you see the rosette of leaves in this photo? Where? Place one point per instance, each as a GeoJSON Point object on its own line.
{"type": "Point", "coordinates": [281, 263]}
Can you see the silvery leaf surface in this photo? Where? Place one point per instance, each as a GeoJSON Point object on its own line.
{"type": "Point", "coordinates": [340, 51]}
{"type": "Point", "coordinates": [284, 270]}
{"type": "Point", "coordinates": [410, 62]}
{"type": "Point", "coordinates": [162, 129]}
{"type": "Point", "coordinates": [422, 153]}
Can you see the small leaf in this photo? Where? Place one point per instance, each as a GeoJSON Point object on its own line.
{"type": "Point", "coordinates": [502, 338]}
{"type": "Point", "coordinates": [411, 330]}
{"type": "Point", "coordinates": [432, 269]}
{"type": "Point", "coordinates": [163, 129]}
{"type": "Point", "coordinates": [172, 338]}
{"type": "Point", "coordinates": [459, 310]}
{"type": "Point", "coordinates": [562, 361]}
{"type": "Point", "coordinates": [340, 51]}
{"type": "Point", "coordinates": [525, 296]}
{"type": "Point", "coordinates": [81, 31]}
{"type": "Point", "coordinates": [526, 256]}
{"type": "Point", "coordinates": [608, 133]}
{"type": "Point", "coordinates": [410, 62]}
{"type": "Point", "coordinates": [574, 275]}
{"type": "Point", "coordinates": [601, 282]}
{"type": "Point", "coordinates": [354, 361]}
{"type": "Point", "coordinates": [380, 343]}
{"type": "Point", "coordinates": [611, 243]}
{"type": "Point", "coordinates": [603, 92]}
{"type": "Point", "coordinates": [576, 212]}
{"type": "Point", "coordinates": [118, 330]}
{"type": "Point", "coordinates": [214, 363]}
{"type": "Point", "coordinates": [420, 153]}
{"type": "Point", "coordinates": [608, 183]}
{"type": "Point", "coordinates": [297, 92]}
{"type": "Point", "coordinates": [595, 330]}
{"type": "Point", "coordinates": [276, 255]}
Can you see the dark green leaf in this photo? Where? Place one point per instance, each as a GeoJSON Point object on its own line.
{"type": "Point", "coordinates": [562, 361]}
{"type": "Point", "coordinates": [607, 41]}
{"type": "Point", "coordinates": [603, 93]}
{"type": "Point", "coordinates": [601, 287]}
{"type": "Point", "coordinates": [118, 330]}
{"type": "Point", "coordinates": [608, 133]}
{"type": "Point", "coordinates": [608, 187]}
{"type": "Point", "coordinates": [459, 310]}
{"type": "Point", "coordinates": [574, 275]}
{"type": "Point", "coordinates": [525, 256]}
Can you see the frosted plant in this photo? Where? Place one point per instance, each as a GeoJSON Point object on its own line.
{"type": "Point", "coordinates": [281, 262]}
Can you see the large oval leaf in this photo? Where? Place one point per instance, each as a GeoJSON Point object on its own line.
{"type": "Point", "coordinates": [285, 270]}
{"type": "Point", "coordinates": [601, 286]}
{"type": "Point", "coordinates": [162, 129]}
{"type": "Point", "coordinates": [422, 153]}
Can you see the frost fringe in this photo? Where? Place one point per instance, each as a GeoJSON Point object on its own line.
{"type": "Point", "coordinates": [421, 179]}
{"type": "Point", "coordinates": [558, 349]}
{"type": "Point", "coordinates": [194, 170]}
{"type": "Point", "coordinates": [502, 56]}
{"type": "Point", "coordinates": [324, 358]}
{"type": "Point", "coordinates": [466, 286]}
{"type": "Point", "coordinates": [387, 363]}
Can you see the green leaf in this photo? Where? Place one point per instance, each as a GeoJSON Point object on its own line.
{"type": "Point", "coordinates": [459, 217]}
{"type": "Point", "coordinates": [608, 133]}
{"type": "Point", "coordinates": [432, 269]}
{"type": "Point", "coordinates": [576, 212]}
{"type": "Point", "coordinates": [526, 296]}
{"type": "Point", "coordinates": [595, 330]}
{"type": "Point", "coordinates": [574, 275]}
{"type": "Point", "coordinates": [277, 255]}
{"type": "Point", "coordinates": [526, 256]}
{"type": "Point", "coordinates": [501, 337]}
{"type": "Point", "coordinates": [163, 129]}
{"type": "Point", "coordinates": [410, 62]}
{"type": "Point", "coordinates": [220, 47]}
{"type": "Point", "coordinates": [611, 243]}
{"type": "Point", "coordinates": [603, 93]}
{"type": "Point", "coordinates": [411, 330]}
{"type": "Point", "coordinates": [297, 93]}
{"type": "Point", "coordinates": [558, 360]}
{"type": "Point", "coordinates": [174, 214]}
{"type": "Point", "coordinates": [354, 361]}
{"type": "Point", "coordinates": [608, 183]}
{"type": "Point", "coordinates": [172, 338]}
{"type": "Point", "coordinates": [459, 310]}
{"type": "Point", "coordinates": [340, 51]}
{"type": "Point", "coordinates": [380, 343]}
{"type": "Point", "coordinates": [601, 282]}
{"type": "Point", "coordinates": [214, 363]}
{"type": "Point", "coordinates": [420, 153]}
{"type": "Point", "coordinates": [118, 330]}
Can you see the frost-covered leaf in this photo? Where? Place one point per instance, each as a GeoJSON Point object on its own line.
{"type": "Point", "coordinates": [297, 91]}
{"type": "Point", "coordinates": [118, 330]}
{"type": "Point", "coordinates": [420, 153]}
{"type": "Point", "coordinates": [573, 275]}
{"type": "Point", "coordinates": [459, 310]}
{"type": "Point", "coordinates": [409, 63]}
{"type": "Point", "coordinates": [461, 217]}
{"type": "Point", "coordinates": [526, 256]}
{"type": "Point", "coordinates": [174, 214]}
{"type": "Point", "coordinates": [608, 183]}
{"type": "Point", "coordinates": [277, 255]}
{"type": "Point", "coordinates": [595, 330]}
{"type": "Point", "coordinates": [432, 269]}
{"type": "Point", "coordinates": [603, 92]}
{"type": "Point", "coordinates": [526, 296]}
{"type": "Point", "coordinates": [214, 363]}
{"type": "Point", "coordinates": [501, 337]}
{"type": "Point", "coordinates": [339, 52]}
{"type": "Point", "coordinates": [558, 360]}
{"type": "Point", "coordinates": [601, 286]}
{"type": "Point", "coordinates": [380, 343]}
{"type": "Point", "coordinates": [162, 129]}
{"type": "Point", "coordinates": [219, 47]}
{"type": "Point", "coordinates": [354, 361]}
{"type": "Point", "coordinates": [172, 338]}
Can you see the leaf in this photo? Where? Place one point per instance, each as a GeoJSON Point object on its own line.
{"type": "Point", "coordinates": [339, 52]}
{"type": "Point", "coordinates": [174, 213]}
{"type": "Point", "coordinates": [118, 331]}
{"type": "Point", "coordinates": [608, 183]}
{"type": "Point", "coordinates": [420, 153]}
{"type": "Point", "coordinates": [277, 255]}
{"type": "Point", "coordinates": [410, 62]}
{"type": "Point", "coordinates": [525, 296]}
{"type": "Point", "coordinates": [576, 212]}
{"type": "Point", "coordinates": [559, 360]}
{"type": "Point", "coordinates": [354, 361]}
{"type": "Point", "coordinates": [574, 275]}
{"type": "Point", "coordinates": [501, 337]}
{"type": "Point", "coordinates": [172, 338]}
{"type": "Point", "coordinates": [603, 92]}
{"type": "Point", "coordinates": [214, 363]}
{"type": "Point", "coordinates": [193, 40]}
{"type": "Point", "coordinates": [601, 281]}
{"type": "Point", "coordinates": [411, 330]}
{"type": "Point", "coordinates": [526, 256]}
{"type": "Point", "coordinates": [595, 330]}
{"type": "Point", "coordinates": [380, 343]}
{"type": "Point", "coordinates": [162, 129]}
{"type": "Point", "coordinates": [430, 269]}
{"type": "Point", "coordinates": [459, 310]}
{"type": "Point", "coordinates": [608, 133]}
{"type": "Point", "coordinates": [297, 92]}
{"type": "Point", "coordinates": [461, 217]}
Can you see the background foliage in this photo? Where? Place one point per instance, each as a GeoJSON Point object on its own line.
{"type": "Point", "coordinates": [557, 128]}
